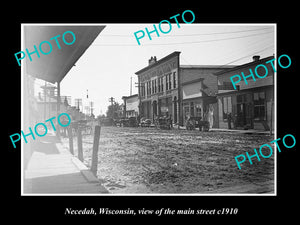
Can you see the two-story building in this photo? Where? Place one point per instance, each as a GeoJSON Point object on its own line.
{"type": "Point", "coordinates": [158, 88]}
{"type": "Point", "coordinates": [250, 106]}
{"type": "Point", "coordinates": [168, 88]}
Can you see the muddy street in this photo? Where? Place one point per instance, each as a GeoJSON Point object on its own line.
{"type": "Point", "coordinates": [147, 160]}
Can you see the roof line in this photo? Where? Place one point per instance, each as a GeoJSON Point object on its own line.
{"type": "Point", "coordinates": [243, 65]}
{"type": "Point", "coordinates": [158, 62]}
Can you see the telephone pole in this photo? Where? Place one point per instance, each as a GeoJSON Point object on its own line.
{"type": "Point", "coordinates": [112, 100]}
{"type": "Point", "coordinates": [130, 86]}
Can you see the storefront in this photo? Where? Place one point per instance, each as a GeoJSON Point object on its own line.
{"type": "Point", "coordinates": [251, 106]}
{"type": "Point", "coordinates": [251, 109]}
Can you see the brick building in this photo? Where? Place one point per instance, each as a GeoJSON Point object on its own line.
{"type": "Point", "coordinates": [158, 88]}
{"type": "Point", "coordinates": [168, 88]}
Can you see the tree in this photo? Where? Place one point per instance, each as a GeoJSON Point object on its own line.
{"type": "Point", "coordinates": [112, 110]}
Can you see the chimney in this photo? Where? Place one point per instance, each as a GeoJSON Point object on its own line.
{"type": "Point", "coordinates": [152, 60]}
{"type": "Point", "coordinates": [255, 58]}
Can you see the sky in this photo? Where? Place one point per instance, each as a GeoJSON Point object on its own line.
{"type": "Point", "coordinates": [108, 65]}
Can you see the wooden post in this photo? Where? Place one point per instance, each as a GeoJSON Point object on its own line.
{"type": "Point", "coordinates": [58, 108]}
{"type": "Point", "coordinates": [271, 117]}
{"type": "Point", "coordinates": [79, 144]}
{"type": "Point", "coordinates": [70, 134]}
{"type": "Point", "coordinates": [94, 165]}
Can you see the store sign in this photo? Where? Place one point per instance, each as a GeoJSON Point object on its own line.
{"type": "Point", "coordinates": [161, 69]}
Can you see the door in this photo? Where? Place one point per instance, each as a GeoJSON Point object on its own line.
{"type": "Point", "coordinates": [244, 111]}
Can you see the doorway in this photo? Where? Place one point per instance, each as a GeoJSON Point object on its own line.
{"type": "Point", "coordinates": [244, 112]}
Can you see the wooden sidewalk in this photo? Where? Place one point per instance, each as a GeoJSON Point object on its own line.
{"type": "Point", "coordinates": [53, 170]}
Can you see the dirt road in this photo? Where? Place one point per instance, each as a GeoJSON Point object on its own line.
{"type": "Point", "coordinates": [146, 160]}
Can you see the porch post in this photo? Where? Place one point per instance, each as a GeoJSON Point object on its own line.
{"type": "Point", "coordinates": [58, 109]}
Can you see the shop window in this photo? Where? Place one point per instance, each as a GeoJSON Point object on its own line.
{"type": "Point", "coordinates": [198, 110]}
{"type": "Point", "coordinates": [186, 111]}
{"type": "Point", "coordinates": [259, 105]}
{"type": "Point", "coordinates": [227, 107]}
{"type": "Point", "coordinates": [192, 109]}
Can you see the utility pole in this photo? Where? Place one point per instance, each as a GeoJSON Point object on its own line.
{"type": "Point", "coordinates": [91, 108]}
{"type": "Point", "coordinates": [111, 100]}
{"type": "Point", "coordinates": [140, 87]}
{"type": "Point", "coordinates": [130, 86]}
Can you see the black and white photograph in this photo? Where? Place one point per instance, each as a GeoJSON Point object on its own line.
{"type": "Point", "coordinates": [144, 109]}
{"type": "Point", "coordinates": [150, 111]}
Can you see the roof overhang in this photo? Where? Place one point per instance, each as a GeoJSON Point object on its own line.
{"type": "Point", "coordinates": [54, 66]}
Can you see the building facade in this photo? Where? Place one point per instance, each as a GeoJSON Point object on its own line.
{"type": "Point", "coordinates": [158, 88]}
{"type": "Point", "coordinates": [199, 87]}
{"type": "Point", "coordinates": [250, 106]}
{"type": "Point", "coordinates": [131, 106]}
{"type": "Point", "coordinates": [167, 88]}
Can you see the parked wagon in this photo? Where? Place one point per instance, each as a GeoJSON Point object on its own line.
{"type": "Point", "coordinates": [195, 122]}
{"type": "Point", "coordinates": [163, 123]}
{"type": "Point", "coordinates": [145, 122]}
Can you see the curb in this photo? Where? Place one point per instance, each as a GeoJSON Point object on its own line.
{"type": "Point", "coordinates": [88, 175]}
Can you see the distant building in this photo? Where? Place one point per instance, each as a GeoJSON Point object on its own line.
{"type": "Point", "coordinates": [250, 106]}
{"type": "Point", "coordinates": [131, 106]}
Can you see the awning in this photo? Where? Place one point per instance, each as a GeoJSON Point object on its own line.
{"type": "Point", "coordinates": [54, 66]}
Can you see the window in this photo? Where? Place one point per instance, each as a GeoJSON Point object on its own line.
{"type": "Point", "coordinates": [186, 110]}
{"type": "Point", "coordinates": [227, 107]}
{"type": "Point", "coordinates": [170, 82]}
{"type": "Point", "coordinates": [146, 88]}
{"type": "Point", "coordinates": [198, 110]}
{"type": "Point", "coordinates": [259, 106]}
{"type": "Point", "coordinates": [159, 84]}
{"type": "Point", "coordinates": [153, 87]}
{"type": "Point", "coordinates": [162, 84]}
{"type": "Point", "coordinates": [142, 89]}
{"type": "Point", "coordinates": [174, 79]}
{"type": "Point", "coordinates": [167, 83]}
{"type": "Point", "coordinates": [192, 109]}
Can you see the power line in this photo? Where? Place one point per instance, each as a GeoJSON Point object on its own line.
{"type": "Point", "coordinates": [181, 35]}
{"type": "Point", "coordinates": [238, 59]}
{"type": "Point", "coordinates": [262, 50]}
{"type": "Point", "coordinates": [190, 42]}
{"type": "Point", "coordinates": [252, 46]}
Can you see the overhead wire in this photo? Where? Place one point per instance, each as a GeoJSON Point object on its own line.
{"type": "Point", "coordinates": [235, 60]}
{"type": "Point", "coordinates": [190, 42]}
{"type": "Point", "coordinates": [182, 35]}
